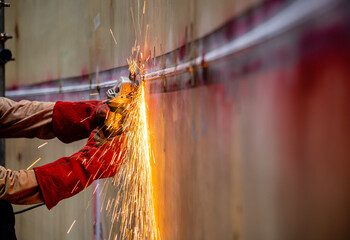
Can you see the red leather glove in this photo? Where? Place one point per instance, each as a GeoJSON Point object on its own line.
{"type": "Point", "coordinates": [73, 121]}
{"type": "Point", "coordinates": [68, 176]}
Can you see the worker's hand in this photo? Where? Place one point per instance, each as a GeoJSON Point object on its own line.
{"type": "Point", "coordinates": [72, 121]}
{"type": "Point", "coordinates": [99, 158]}
{"type": "Point", "coordinates": [101, 138]}
{"type": "Point", "coordinates": [101, 111]}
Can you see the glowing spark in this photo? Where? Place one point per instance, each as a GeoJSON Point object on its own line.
{"type": "Point", "coordinates": [132, 66]}
{"type": "Point", "coordinates": [108, 204]}
{"type": "Point", "coordinates": [87, 183]}
{"type": "Point", "coordinates": [103, 188]}
{"type": "Point", "coordinates": [133, 209]}
{"type": "Point", "coordinates": [147, 26]}
{"type": "Point", "coordinates": [71, 226]}
{"type": "Point", "coordinates": [115, 41]}
{"type": "Point", "coordinates": [133, 21]}
{"type": "Point", "coordinates": [138, 14]}
{"type": "Point", "coordinates": [92, 94]}
{"type": "Point", "coordinates": [84, 119]}
{"type": "Point", "coordinates": [96, 188]}
{"type": "Point", "coordinates": [33, 163]}
{"type": "Point", "coordinates": [43, 144]}
{"type": "Point", "coordinates": [76, 185]}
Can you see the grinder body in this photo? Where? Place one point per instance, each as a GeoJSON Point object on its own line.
{"type": "Point", "coordinates": [119, 97]}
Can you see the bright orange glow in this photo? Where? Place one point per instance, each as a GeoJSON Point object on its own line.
{"type": "Point", "coordinates": [134, 206]}
{"type": "Point", "coordinates": [131, 209]}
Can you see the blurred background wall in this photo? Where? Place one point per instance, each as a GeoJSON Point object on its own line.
{"type": "Point", "coordinates": [253, 144]}
{"type": "Point", "coordinates": [60, 39]}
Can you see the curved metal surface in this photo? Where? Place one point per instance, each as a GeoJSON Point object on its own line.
{"type": "Point", "coordinates": [260, 148]}
{"type": "Point", "coordinates": [250, 130]}
{"type": "Point", "coordinates": [270, 26]}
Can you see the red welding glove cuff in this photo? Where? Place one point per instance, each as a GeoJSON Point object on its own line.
{"type": "Point", "coordinates": [70, 175]}
{"type": "Point", "coordinates": [73, 121]}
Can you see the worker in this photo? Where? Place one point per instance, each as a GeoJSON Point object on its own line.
{"type": "Point", "coordinates": [68, 121]}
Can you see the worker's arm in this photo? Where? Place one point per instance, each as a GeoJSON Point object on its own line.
{"type": "Point", "coordinates": [69, 175]}
{"type": "Point", "coordinates": [19, 187]}
{"type": "Point", "coordinates": [26, 119]}
{"type": "Point", "coordinates": [73, 121]}
{"type": "Point", "coordinates": [69, 121]}
{"type": "Point", "coordinates": [65, 177]}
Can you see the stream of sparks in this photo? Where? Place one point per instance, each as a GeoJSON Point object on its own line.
{"type": "Point", "coordinates": [130, 202]}
{"type": "Point", "coordinates": [132, 209]}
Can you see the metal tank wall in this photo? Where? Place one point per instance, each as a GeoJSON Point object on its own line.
{"type": "Point", "coordinates": [255, 144]}
{"type": "Point", "coordinates": [56, 40]}
{"type": "Point", "coordinates": [247, 108]}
